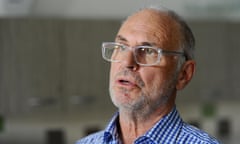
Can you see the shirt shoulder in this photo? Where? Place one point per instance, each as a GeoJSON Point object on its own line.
{"type": "Point", "coordinates": [103, 136]}
{"type": "Point", "coordinates": [194, 135]}
{"type": "Point", "coordinates": [95, 138]}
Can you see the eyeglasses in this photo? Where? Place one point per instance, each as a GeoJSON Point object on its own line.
{"type": "Point", "coordinates": [143, 55]}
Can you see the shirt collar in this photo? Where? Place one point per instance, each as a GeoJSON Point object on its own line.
{"type": "Point", "coordinates": [165, 130]}
{"type": "Point", "coordinates": [111, 131]}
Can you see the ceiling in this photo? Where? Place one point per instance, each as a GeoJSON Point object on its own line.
{"type": "Point", "coordinates": [118, 9]}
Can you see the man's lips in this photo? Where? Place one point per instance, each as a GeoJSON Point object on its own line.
{"type": "Point", "coordinates": [126, 83]}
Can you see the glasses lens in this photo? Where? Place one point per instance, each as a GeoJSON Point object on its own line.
{"type": "Point", "coordinates": [146, 55]}
{"type": "Point", "coordinates": [111, 51]}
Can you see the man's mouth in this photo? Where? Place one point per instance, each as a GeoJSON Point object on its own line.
{"type": "Point", "coordinates": [125, 82]}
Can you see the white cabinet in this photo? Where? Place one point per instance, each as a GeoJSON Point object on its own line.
{"type": "Point", "coordinates": [86, 71]}
{"type": "Point", "coordinates": [217, 55]}
{"type": "Point", "coordinates": [30, 65]}
{"type": "Point", "coordinates": [46, 62]}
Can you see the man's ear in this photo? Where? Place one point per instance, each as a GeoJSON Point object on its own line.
{"type": "Point", "coordinates": [186, 74]}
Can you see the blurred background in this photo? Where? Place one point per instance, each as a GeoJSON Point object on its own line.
{"type": "Point", "coordinates": [54, 83]}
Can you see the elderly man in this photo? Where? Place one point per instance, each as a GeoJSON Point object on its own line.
{"type": "Point", "coordinates": [151, 59]}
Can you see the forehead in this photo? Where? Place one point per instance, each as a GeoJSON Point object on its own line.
{"type": "Point", "coordinates": [152, 27]}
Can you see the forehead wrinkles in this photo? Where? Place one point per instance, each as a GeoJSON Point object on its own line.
{"type": "Point", "coordinates": [159, 28]}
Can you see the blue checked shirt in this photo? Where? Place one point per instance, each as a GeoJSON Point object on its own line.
{"type": "Point", "coordinates": [169, 130]}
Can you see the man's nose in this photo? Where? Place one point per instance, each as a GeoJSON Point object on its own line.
{"type": "Point", "coordinates": [129, 61]}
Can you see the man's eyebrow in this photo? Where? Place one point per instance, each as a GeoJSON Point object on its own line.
{"type": "Point", "coordinates": [121, 38]}
{"type": "Point", "coordinates": [148, 44]}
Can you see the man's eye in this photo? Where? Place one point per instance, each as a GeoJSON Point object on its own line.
{"type": "Point", "coordinates": [148, 51]}
{"type": "Point", "coordinates": [119, 48]}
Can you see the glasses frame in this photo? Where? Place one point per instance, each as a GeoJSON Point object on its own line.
{"type": "Point", "coordinates": [133, 49]}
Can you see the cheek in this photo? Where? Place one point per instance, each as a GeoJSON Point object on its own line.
{"type": "Point", "coordinates": [152, 78]}
{"type": "Point", "coordinates": [113, 69]}
{"type": "Point", "coordinates": [155, 77]}
{"type": "Point", "coordinates": [111, 73]}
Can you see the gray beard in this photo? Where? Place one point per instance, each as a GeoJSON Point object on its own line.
{"type": "Point", "coordinates": [144, 106]}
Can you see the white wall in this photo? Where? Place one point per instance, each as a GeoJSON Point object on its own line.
{"type": "Point", "coordinates": [204, 9]}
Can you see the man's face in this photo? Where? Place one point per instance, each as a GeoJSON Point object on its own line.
{"type": "Point", "coordinates": [145, 88]}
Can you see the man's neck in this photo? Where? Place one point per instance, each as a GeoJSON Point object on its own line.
{"type": "Point", "coordinates": [132, 126]}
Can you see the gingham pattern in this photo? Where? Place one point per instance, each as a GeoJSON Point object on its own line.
{"type": "Point", "coordinates": [169, 130]}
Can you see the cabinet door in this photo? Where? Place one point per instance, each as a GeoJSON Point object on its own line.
{"type": "Point", "coordinates": [86, 71]}
{"type": "Point", "coordinates": [210, 53]}
{"type": "Point", "coordinates": [30, 65]}
{"type": "Point", "coordinates": [233, 56]}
